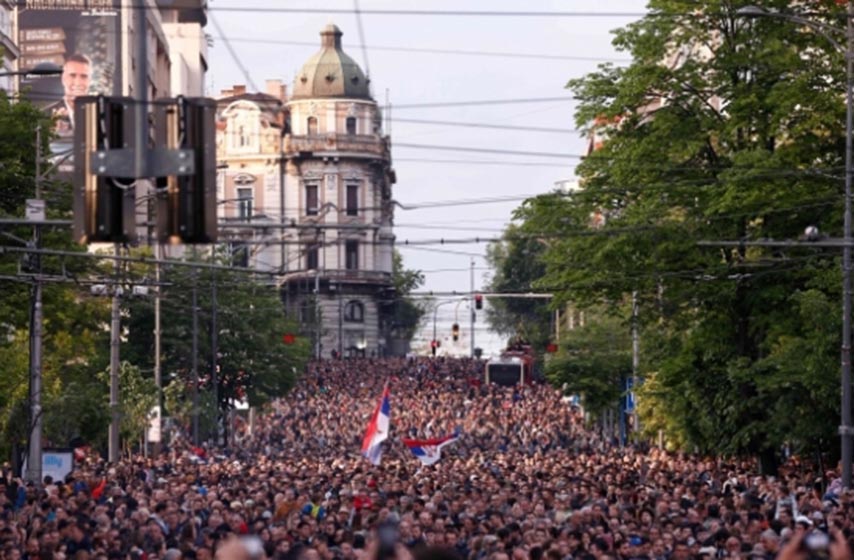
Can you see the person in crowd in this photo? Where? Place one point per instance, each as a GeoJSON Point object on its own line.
{"type": "Point", "coordinates": [526, 480]}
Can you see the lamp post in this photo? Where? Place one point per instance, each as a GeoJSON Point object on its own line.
{"type": "Point", "coordinates": [845, 428]}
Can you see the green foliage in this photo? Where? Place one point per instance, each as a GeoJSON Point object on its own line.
{"type": "Point", "coordinates": [593, 361]}
{"type": "Point", "coordinates": [73, 334]}
{"type": "Point", "coordinates": [254, 363]}
{"type": "Point", "coordinates": [517, 264]}
{"type": "Point", "coordinates": [721, 128]}
{"type": "Point", "coordinates": [18, 121]}
{"type": "Point", "coordinates": [407, 313]}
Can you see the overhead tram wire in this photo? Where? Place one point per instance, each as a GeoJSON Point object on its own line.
{"type": "Point", "coordinates": [489, 125]}
{"type": "Point", "coordinates": [485, 150]}
{"type": "Point", "coordinates": [454, 52]}
{"type": "Point", "coordinates": [482, 102]}
{"type": "Point", "coordinates": [234, 55]}
{"type": "Point", "coordinates": [485, 162]}
{"type": "Point", "coordinates": [393, 12]}
{"type": "Point", "coordinates": [361, 31]}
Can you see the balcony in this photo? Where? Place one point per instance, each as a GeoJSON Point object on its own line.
{"type": "Point", "coordinates": [340, 275]}
{"type": "Point", "coordinates": [349, 145]}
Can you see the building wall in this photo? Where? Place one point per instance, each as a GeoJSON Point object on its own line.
{"type": "Point", "coordinates": [249, 154]}
{"type": "Point", "coordinates": [325, 153]}
{"type": "Point", "coordinates": [8, 45]}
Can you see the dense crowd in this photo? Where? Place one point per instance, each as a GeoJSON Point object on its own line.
{"type": "Point", "coordinates": [525, 481]}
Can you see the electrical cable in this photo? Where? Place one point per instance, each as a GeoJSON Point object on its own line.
{"type": "Point", "coordinates": [234, 55]}
{"type": "Point", "coordinates": [518, 128]}
{"type": "Point", "coordinates": [454, 52]}
{"type": "Point", "coordinates": [361, 31]}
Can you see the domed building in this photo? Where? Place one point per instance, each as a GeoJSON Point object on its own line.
{"type": "Point", "coordinates": [337, 188]}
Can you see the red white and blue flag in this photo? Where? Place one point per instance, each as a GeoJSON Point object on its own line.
{"type": "Point", "coordinates": [429, 451]}
{"type": "Point", "coordinates": [377, 431]}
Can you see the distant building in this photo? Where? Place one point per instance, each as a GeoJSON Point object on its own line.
{"type": "Point", "coordinates": [250, 127]}
{"type": "Point", "coordinates": [338, 193]}
{"type": "Point", "coordinates": [8, 46]}
{"type": "Point", "coordinates": [315, 167]}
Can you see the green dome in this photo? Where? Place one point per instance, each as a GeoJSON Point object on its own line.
{"type": "Point", "coordinates": [330, 72]}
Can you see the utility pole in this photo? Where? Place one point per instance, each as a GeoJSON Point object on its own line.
{"type": "Point", "coordinates": [214, 361]}
{"type": "Point", "coordinates": [340, 323]}
{"type": "Point", "coordinates": [195, 358]}
{"type": "Point", "coordinates": [317, 350]}
{"type": "Point", "coordinates": [158, 373]}
{"type": "Point", "coordinates": [34, 455]}
{"type": "Point", "coordinates": [140, 91]}
{"type": "Point", "coordinates": [115, 326]}
{"type": "Point", "coordinates": [473, 312]}
{"type": "Point", "coordinates": [635, 361]}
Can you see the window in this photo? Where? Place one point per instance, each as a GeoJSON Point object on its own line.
{"type": "Point", "coordinates": [312, 126]}
{"type": "Point", "coordinates": [311, 202]}
{"type": "Point", "coordinates": [311, 257]}
{"type": "Point", "coordinates": [351, 251]}
{"type": "Point", "coordinates": [351, 125]}
{"type": "Point", "coordinates": [239, 255]}
{"type": "Point", "coordinates": [244, 203]}
{"type": "Point", "coordinates": [352, 200]}
{"type": "Point", "coordinates": [354, 312]}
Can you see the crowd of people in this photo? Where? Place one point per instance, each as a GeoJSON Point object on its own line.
{"type": "Point", "coordinates": [526, 480]}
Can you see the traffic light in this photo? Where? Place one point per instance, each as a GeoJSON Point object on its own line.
{"type": "Point", "coordinates": [455, 332]}
{"type": "Point", "coordinates": [187, 212]}
{"type": "Point", "coordinates": [478, 301]}
{"type": "Point", "coordinates": [433, 345]}
{"type": "Point", "coordinates": [103, 205]}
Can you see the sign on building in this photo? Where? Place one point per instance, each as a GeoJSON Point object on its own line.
{"type": "Point", "coordinates": [83, 37]}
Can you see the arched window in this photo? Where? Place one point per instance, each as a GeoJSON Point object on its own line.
{"type": "Point", "coordinates": [312, 126]}
{"type": "Point", "coordinates": [351, 125]}
{"type": "Point", "coordinates": [354, 312]}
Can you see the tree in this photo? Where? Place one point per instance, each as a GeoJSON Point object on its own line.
{"type": "Point", "coordinates": [72, 328]}
{"type": "Point", "coordinates": [407, 313]}
{"type": "Point", "coordinates": [593, 361]}
{"type": "Point", "coordinates": [256, 362]}
{"type": "Point", "coordinates": [517, 264]}
{"type": "Point", "coordinates": [720, 128]}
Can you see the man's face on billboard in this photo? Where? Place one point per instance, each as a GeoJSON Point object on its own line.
{"type": "Point", "coordinates": [75, 79]}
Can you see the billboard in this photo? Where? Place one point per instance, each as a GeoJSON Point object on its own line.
{"type": "Point", "coordinates": [83, 37]}
{"type": "Point", "coordinates": [56, 463]}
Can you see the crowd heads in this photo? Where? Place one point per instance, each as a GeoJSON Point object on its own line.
{"type": "Point", "coordinates": [529, 479]}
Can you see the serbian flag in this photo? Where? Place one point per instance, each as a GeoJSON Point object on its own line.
{"type": "Point", "coordinates": [429, 451]}
{"type": "Point", "coordinates": [377, 431]}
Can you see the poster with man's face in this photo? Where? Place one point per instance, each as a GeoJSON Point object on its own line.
{"type": "Point", "coordinates": [83, 37]}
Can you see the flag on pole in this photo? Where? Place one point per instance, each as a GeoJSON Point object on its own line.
{"type": "Point", "coordinates": [429, 451]}
{"type": "Point", "coordinates": [377, 431]}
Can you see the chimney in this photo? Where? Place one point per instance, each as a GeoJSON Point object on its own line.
{"type": "Point", "coordinates": [239, 90]}
{"type": "Point", "coordinates": [277, 89]}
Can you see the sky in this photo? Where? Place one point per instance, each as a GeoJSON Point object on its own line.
{"type": "Point", "coordinates": [406, 77]}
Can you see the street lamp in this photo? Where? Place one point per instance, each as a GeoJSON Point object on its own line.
{"type": "Point", "coordinates": [845, 429]}
{"type": "Point", "coordinates": [42, 69]}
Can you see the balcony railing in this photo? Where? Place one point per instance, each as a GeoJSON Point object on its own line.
{"type": "Point", "coordinates": [371, 146]}
{"type": "Point", "coordinates": [340, 275]}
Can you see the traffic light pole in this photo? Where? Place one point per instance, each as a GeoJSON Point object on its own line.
{"type": "Point", "coordinates": [34, 452]}
{"type": "Point", "coordinates": [473, 312]}
{"type": "Point", "coordinates": [140, 148]}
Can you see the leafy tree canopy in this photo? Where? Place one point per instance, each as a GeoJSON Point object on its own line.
{"type": "Point", "coordinates": [721, 128]}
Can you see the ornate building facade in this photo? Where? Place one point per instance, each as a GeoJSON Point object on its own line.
{"type": "Point", "coordinates": [305, 184]}
{"type": "Point", "coordinates": [338, 182]}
